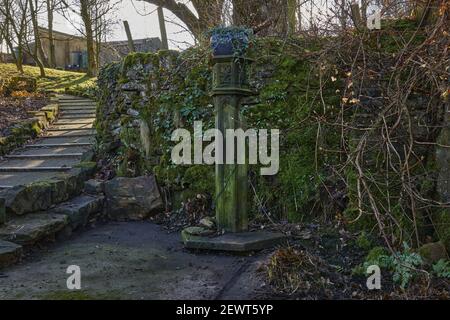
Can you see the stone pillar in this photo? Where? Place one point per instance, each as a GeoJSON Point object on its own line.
{"type": "Point", "coordinates": [129, 36]}
{"type": "Point", "coordinates": [230, 85]}
{"type": "Point", "coordinates": [2, 211]}
{"type": "Point", "coordinates": [162, 27]}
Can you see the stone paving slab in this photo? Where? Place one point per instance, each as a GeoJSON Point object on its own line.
{"type": "Point", "coordinates": [61, 140]}
{"type": "Point", "coordinates": [80, 209]}
{"type": "Point", "coordinates": [69, 133]}
{"type": "Point", "coordinates": [29, 229]}
{"type": "Point", "coordinates": [54, 150]}
{"type": "Point", "coordinates": [74, 126]}
{"type": "Point", "coordinates": [73, 139]}
{"type": "Point", "coordinates": [74, 110]}
{"type": "Point", "coordinates": [30, 163]}
{"type": "Point", "coordinates": [84, 120]}
{"type": "Point", "coordinates": [78, 104]}
{"type": "Point", "coordinates": [235, 242]}
{"type": "Point", "coordinates": [10, 253]}
{"type": "Point", "coordinates": [23, 178]}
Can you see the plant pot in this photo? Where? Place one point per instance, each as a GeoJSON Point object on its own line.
{"type": "Point", "coordinates": [227, 42]}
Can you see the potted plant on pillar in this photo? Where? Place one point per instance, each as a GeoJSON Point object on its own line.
{"type": "Point", "coordinates": [230, 41]}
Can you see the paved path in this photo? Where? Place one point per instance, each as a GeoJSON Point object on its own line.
{"type": "Point", "coordinates": [134, 260]}
{"type": "Point", "coordinates": [61, 147]}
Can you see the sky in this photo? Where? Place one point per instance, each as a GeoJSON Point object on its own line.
{"type": "Point", "coordinates": [143, 20]}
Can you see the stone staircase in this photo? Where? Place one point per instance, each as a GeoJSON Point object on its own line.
{"type": "Point", "coordinates": [41, 182]}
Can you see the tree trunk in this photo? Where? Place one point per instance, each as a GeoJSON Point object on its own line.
{"type": "Point", "coordinates": [19, 59]}
{"type": "Point", "coordinates": [14, 54]}
{"type": "Point", "coordinates": [39, 52]}
{"type": "Point", "coordinates": [90, 43]}
{"type": "Point", "coordinates": [292, 16]}
{"type": "Point", "coordinates": [51, 40]}
{"type": "Point", "coordinates": [343, 15]}
{"type": "Point", "coordinates": [209, 14]}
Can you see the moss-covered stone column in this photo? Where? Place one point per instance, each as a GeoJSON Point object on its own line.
{"type": "Point", "coordinates": [230, 85]}
{"type": "Point", "coordinates": [2, 211]}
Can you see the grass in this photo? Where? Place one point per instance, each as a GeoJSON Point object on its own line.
{"type": "Point", "coordinates": [55, 81]}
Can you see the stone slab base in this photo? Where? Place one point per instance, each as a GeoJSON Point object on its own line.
{"type": "Point", "coordinates": [234, 242]}
{"type": "Point", "coordinates": [10, 253]}
{"type": "Point", "coordinates": [30, 229]}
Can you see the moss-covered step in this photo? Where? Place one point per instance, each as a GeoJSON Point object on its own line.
{"type": "Point", "coordinates": [28, 129]}
{"type": "Point", "coordinates": [45, 144]}
{"type": "Point", "coordinates": [231, 242]}
{"type": "Point", "coordinates": [43, 193]}
{"type": "Point", "coordinates": [70, 133]}
{"type": "Point", "coordinates": [75, 120]}
{"type": "Point", "coordinates": [44, 156]}
{"type": "Point", "coordinates": [80, 210]}
{"type": "Point", "coordinates": [30, 229]}
{"type": "Point", "coordinates": [10, 253]}
{"type": "Point", "coordinates": [78, 111]}
{"type": "Point", "coordinates": [66, 127]}
{"type": "Point", "coordinates": [55, 150]}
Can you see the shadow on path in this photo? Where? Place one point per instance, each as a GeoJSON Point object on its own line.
{"type": "Point", "coordinates": [131, 260]}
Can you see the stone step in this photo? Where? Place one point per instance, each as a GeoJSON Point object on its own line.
{"type": "Point", "coordinates": [68, 139]}
{"type": "Point", "coordinates": [86, 116]}
{"type": "Point", "coordinates": [68, 101]}
{"type": "Point", "coordinates": [34, 169]}
{"type": "Point", "coordinates": [43, 156]}
{"type": "Point", "coordinates": [66, 127]}
{"type": "Point", "coordinates": [78, 104]}
{"type": "Point", "coordinates": [32, 228]}
{"type": "Point", "coordinates": [87, 136]}
{"type": "Point", "coordinates": [54, 150]}
{"type": "Point", "coordinates": [9, 180]}
{"type": "Point", "coordinates": [70, 133]}
{"type": "Point", "coordinates": [77, 115]}
{"type": "Point", "coordinates": [75, 100]}
{"type": "Point", "coordinates": [59, 145]}
{"type": "Point", "coordinates": [10, 253]}
{"type": "Point", "coordinates": [80, 112]}
{"type": "Point", "coordinates": [42, 162]}
{"type": "Point", "coordinates": [75, 110]}
{"type": "Point", "coordinates": [78, 121]}
{"type": "Point", "coordinates": [80, 209]}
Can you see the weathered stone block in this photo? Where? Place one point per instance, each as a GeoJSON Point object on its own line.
{"type": "Point", "coordinates": [29, 229]}
{"type": "Point", "coordinates": [132, 198]}
{"type": "Point", "coordinates": [94, 187]}
{"type": "Point", "coordinates": [24, 199]}
{"type": "Point", "coordinates": [21, 83]}
{"type": "Point", "coordinates": [233, 242]}
{"type": "Point", "coordinates": [10, 253]}
{"type": "Point", "coordinates": [80, 209]}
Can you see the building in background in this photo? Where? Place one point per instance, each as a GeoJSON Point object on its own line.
{"type": "Point", "coordinates": [116, 50]}
{"type": "Point", "coordinates": [71, 50]}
